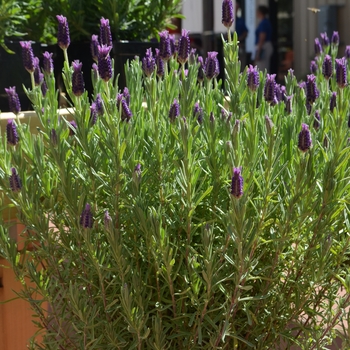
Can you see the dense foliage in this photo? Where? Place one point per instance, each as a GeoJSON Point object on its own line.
{"type": "Point", "coordinates": [138, 232]}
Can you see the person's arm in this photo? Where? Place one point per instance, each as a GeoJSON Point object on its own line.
{"type": "Point", "coordinates": [262, 39]}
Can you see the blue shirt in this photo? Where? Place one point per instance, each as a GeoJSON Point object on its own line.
{"type": "Point", "coordinates": [240, 26]}
{"type": "Point", "coordinates": [263, 27]}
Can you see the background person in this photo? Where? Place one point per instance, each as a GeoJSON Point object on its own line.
{"type": "Point", "coordinates": [263, 37]}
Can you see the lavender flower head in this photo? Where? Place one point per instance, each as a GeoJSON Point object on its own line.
{"type": "Point", "coordinates": [184, 47]}
{"type": "Point", "coordinates": [15, 181]}
{"type": "Point", "coordinates": [173, 47]}
{"type": "Point", "coordinates": [288, 103]}
{"type": "Point", "coordinates": [317, 120]}
{"type": "Point", "coordinates": [77, 79]}
{"type": "Point", "coordinates": [318, 47]}
{"type": "Point", "coordinates": [63, 38]}
{"type": "Point", "coordinates": [335, 38]}
{"type": "Point", "coordinates": [341, 72]}
{"type": "Point", "coordinates": [333, 101]}
{"type": "Point", "coordinates": [48, 62]}
{"type": "Point", "coordinates": [311, 89]}
{"type": "Point", "coordinates": [86, 219]}
{"type": "Point", "coordinates": [237, 183]}
{"type": "Point", "coordinates": [313, 67]}
{"type": "Point", "coordinates": [164, 46]}
{"type": "Point", "coordinates": [38, 76]}
{"type": "Point", "coordinates": [304, 142]}
{"type": "Point", "coordinates": [227, 13]}
{"type": "Point", "coordinates": [327, 67]}
{"type": "Point", "coordinates": [347, 52]}
{"type": "Point", "coordinates": [11, 133]}
{"type": "Point", "coordinates": [105, 32]}
{"type": "Point", "coordinates": [148, 63]}
{"type": "Point", "coordinates": [14, 103]}
{"type": "Point", "coordinates": [200, 75]}
{"type": "Point", "coordinates": [93, 113]}
{"type": "Point", "coordinates": [99, 105]}
{"type": "Point", "coordinates": [211, 68]}
{"type": "Point", "coordinates": [94, 47]}
{"type": "Point", "coordinates": [270, 88]}
{"type": "Point", "coordinates": [107, 220]}
{"type": "Point", "coordinates": [27, 56]}
{"type": "Point", "coordinates": [174, 111]}
{"type": "Point", "coordinates": [252, 78]}
{"type": "Point", "coordinates": [126, 95]}
{"type": "Point", "coordinates": [104, 62]}
{"type": "Point", "coordinates": [324, 39]}
{"type": "Point", "coordinates": [126, 113]}
{"type": "Point", "coordinates": [159, 64]}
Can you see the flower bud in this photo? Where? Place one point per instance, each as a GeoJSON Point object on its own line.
{"type": "Point", "coordinates": [335, 38]}
{"type": "Point", "coordinates": [159, 64]}
{"type": "Point", "coordinates": [252, 78]}
{"type": "Point", "coordinates": [164, 46]}
{"type": "Point", "coordinates": [93, 113]}
{"type": "Point", "coordinates": [324, 39]}
{"type": "Point", "coordinates": [200, 75]}
{"type": "Point", "coordinates": [77, 79]}
{"type": "Point", "coordinates": [63, 38]}
{"type": "Point", "coordinates": [327, 67]}
{"type": "Point", "coordinates": [148, 63]}
{"type": "Point", "coordinates": [126, 113]}
{"type": "Point", "coordinates": [86, 219]}
{"type": "Point", "coordinates": [347, 52]}
{"type": "Point", "coordinates": [311, 89]}
{"type": "Point", "coordinates": [313, 67]}
{"type": "Point", "coordinates": [104, 62]}
{"type": "Point", "coordinates": [47, 62]}
{"type": "Point", "coordinates": [317, 120]}
{"type": "Point", "coordinates": [184, 47]}
{"type": "Point", "coordinates": [237, 183]}
{"type": "Point", "coordinates": [212, 65]}
{"type": "Point", "coordinates": [333, 101]}
{"type": "Point", "coordinates": [11, 133]}
{"type": "Point", "coordinates": [174, 111]}
{"type": "Point", "coordinates": [173, 47]}
{"type": "Point", "coordinates": [288, 102]}
{"type": "Point", "coordinates": [27, 56]}
{"type": "Point", "coordinates": [305, 142]}
{"type": "Point", "coordinates": [318, 47]}
{"type": "Point", "coordinates": [270, 88]}
{"type": "Point", "coordinates": [38, 76]}
{"type": "Point", "coordinates": [14, 103]}
{"type": "Point", "coordinates": [341, 72]}
{"type": "Point", "coordinates": [15, 181]}
{"type": "Point", "coordinates": [94, 47]}
{"type": "Point", "coordinates": [227, 13]}
{"type": "Point", "coordinates": [105, 33]}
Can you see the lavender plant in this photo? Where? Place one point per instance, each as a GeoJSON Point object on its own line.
{"type": "Point", "coordinates": [176, 214]}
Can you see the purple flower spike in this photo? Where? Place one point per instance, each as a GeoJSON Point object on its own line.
{"type": "Point", "coordinates": [311, 89]}
{"type": "Point", "coordinates": [159, 64]}
{"type": "Point", "coordinates": [252, 78]}
{"type": "Point", "coordinates": [104, 62]}
{"type": "Point", "coordinates": [317, 120]}
{"type": "Point", "coordinates": [48, 62]}
{"type": "Point", "coordinates": [200, 75]}
{"type": "Point", "coordinates": [304, 143]}
{"type": "Point", "coordinates": [333, 101]}
{"type": "Point", "coordinates": [43, 85]}
{"type": "Point", "coordinates": [105, 33]}
{"type": "Point", "coordinates": [173, 47]}
{"type": "Point", "coordinates": [73, 126]}
{"type": "Point", "coordinates": [184, 47]}
{"type": "Point", "coordinates": [164, 46]}
{"type": "Point", "coordinates": [27, 56]}
{"type": "Point", "coordinates": [99, 105]}
{"type": "Point", "coordinates": [93, 113]}
{"type": "Point", "coordinates": [324, 39]}
{"type": "Point", "coordinates": [11, 133]}
{"type": "Point", "coordinates": [94, 47]}
{"type": "Point", "coordinates": [77, 79]}
{"type": "Point", "coordinates": [148, 63]}
{"type": "Point", "coordinates": [341, 72]}
{"type": "Point", "coordinates": [327, 67]}
{"type": "Point", "coordinates": [126, 113]}
{"type": "Point", "coordinates": [15, 181]}
{"type": "Point", "coordinates": [38, 76]}
{"type": "Point", "coordinates": [211, 68]}
{"type": "Point", "coordinates": [198, 112]}
{"type": "Point", "coordinates": [318, 47]}
{"type": "Point", "coordinates": [288, 103]}
{"type": "Point", "coordinates": [280, 92]}
{"type": "Point", "coordinates": [313, 67]}
{"type": "Point", "coordinates": [86, 219]}
{"type": "Point", "coordinates": [227, 13]}
{"type": "Point", "coordinates": [107, 220]}
{"type": "Point", "coordinates": [270, 88]}
{"type": "Point", "coordinates": [335, 38]}
{"type": "Point", "coordinates": [174, 111]}
{"type": "Point", "coordinates": [63, 38]}
{"type": "Point", "coordinates": [126, 95]}
{"type": "Point", "coordinates": [14, 103]}
{"type": "Point", "coordinates": [347, 52]}
{"type": "Point", "coordinates": [237, 183]}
